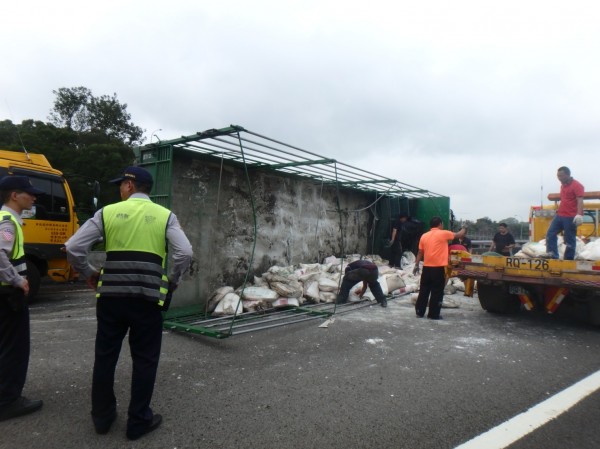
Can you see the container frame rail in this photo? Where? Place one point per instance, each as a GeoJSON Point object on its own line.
{"type": "Point", "coordinates": [192, 319]}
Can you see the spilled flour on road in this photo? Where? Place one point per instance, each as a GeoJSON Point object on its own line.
{"type": "Point", "coordinates": [473, 341]}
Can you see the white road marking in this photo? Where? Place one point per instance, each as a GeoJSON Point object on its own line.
{"type": "Point", "coordinates": [516, 428]}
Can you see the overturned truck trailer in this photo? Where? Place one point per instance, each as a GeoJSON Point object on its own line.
{"type": "Point", "coordinates": [248, 202]}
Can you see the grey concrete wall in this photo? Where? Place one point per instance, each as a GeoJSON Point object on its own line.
{"type": "Point", "coordinates": [297, 222]}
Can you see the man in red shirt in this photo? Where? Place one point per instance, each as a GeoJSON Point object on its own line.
{"type": "Point", "coordinates": [433, 250]}
{"type": "Point", "coordinates": [568, 216]}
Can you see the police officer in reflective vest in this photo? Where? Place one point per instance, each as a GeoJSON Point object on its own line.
{"type": "Point", "coordinates": [17, 195]}
{"type": "Point", "coordinates": [132, 288]}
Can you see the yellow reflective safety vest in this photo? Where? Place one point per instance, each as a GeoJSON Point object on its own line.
{"type": "Point", "coordinates": [17, 256]}
{"type": "Point", "coordinates": [136, 248]}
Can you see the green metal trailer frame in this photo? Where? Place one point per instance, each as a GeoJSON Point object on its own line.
{"type": "Point", "coordinates": [193, 320]}
{"type": "Point", "coordinates": [237, 145]}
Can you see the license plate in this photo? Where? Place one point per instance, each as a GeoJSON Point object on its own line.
{"type": "Point", "coordinates": [516, 290]}
{"type": "Point", "coordinates": [527, 264]}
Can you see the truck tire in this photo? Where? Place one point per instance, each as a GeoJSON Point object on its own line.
{"type": "Point", "coordinates": [496, 299]}
{"type": "Point", "coordinates": [594, 313]}
{"type": "Point", "coordinates": [34, 279]}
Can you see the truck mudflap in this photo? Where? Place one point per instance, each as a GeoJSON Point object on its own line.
{"type": "Point", "coordinates": [552, 297]}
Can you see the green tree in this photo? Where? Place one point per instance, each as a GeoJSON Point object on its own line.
{"type": "Point", "coordinates": [88, 138]}
{"type": "Point", "coordinates": [70, 108]}
{"type": "Point", "coordinates": [483, 229]}
{"type": "Point", "coordinates": [77, 109]}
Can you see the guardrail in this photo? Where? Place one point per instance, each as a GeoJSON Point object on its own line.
{"type": "Point", "coordinates": [482, 246]}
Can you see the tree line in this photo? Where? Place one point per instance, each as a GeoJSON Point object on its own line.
{"type": "Point", "coordinates": [89, 138]}
{"type": "Point", "coordinates": [485, 228]}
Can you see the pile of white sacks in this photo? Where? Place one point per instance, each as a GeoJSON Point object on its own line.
{"type": "Point", "coordinates": [313, 283]}
{"type": "Point", "coordinates": [316, 283]}
{"type": "Point", "coordinates": [583, 251]}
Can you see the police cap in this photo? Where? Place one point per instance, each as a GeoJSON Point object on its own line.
{"type": "Point", "coordinates": [135, 174]}
{"type": "Point", "coordinates": [11, 183]}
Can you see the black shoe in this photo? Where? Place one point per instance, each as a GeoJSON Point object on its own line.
{"type": "Point", "coordinates": [439, 317]}
{"type": "Point", "coordinates": [419, 315]}
{"type": "Point", "coordinates": [547, 256]}
{"type": "Point", "coordinates": [20, 407]}
{"type": "Point", "coordinates": [103, 427]}
{"type": "Point", "coordinates": [383, 302]}
{"type": "Point", "coordinates": [156, 421]}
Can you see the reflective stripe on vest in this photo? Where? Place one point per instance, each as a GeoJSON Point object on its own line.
{"type": "Point", "coordinates": [17, 255]}
{"type": "Point", "coordinates": [136, 248]}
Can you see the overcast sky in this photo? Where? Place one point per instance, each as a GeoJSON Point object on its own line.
{"type": "Point", "coordinates": [481, 101]}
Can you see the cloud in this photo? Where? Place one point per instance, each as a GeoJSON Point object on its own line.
{"type": "Point", "coordinates": [477, 101]}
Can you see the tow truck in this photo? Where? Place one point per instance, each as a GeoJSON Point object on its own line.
{"type": "Point", "coordinates": [509, 284]}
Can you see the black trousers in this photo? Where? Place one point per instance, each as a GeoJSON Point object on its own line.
{"type": "Point", "coordinates": [396, 254]}
{"type": "Point", "coordinates": [351, 278]}
{"type": "Point", "coordinates": [115, 317]}
{"type": "Point", "coordinates": [14, 351]}
{"type": "Point", "coordinates": [431, 289]}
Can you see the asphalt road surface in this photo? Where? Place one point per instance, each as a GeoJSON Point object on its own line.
{"type": "Point", "coordinates": [374, 378]}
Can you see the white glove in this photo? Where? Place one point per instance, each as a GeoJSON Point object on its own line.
{"type": "Point", "coordinates": [578, 220]}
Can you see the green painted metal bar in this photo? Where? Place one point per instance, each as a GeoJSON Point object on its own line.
{"type": "Point", "coordinates": [194, 330]}
{"type": "Point", "coordinates": [243, 319]}
{"type": "Point", "coordinates": [209, 133]}
{"type": "Point", "coordinates": [191, 319]}
{"type": "Point", "coordinates": [311, 311]}
{"type": "Point", "coordinates": [182, 319]}
{"type": "Point", "coordinates": [298, 164]}
{"type": "Point", "coordinates": [265, 152]}
{"type": "Point", "coordinates": [410, 191]}
{"type": "Point", "coordinates": [158, 160]}
{"type": "Point", "coordinates": [369, 181]}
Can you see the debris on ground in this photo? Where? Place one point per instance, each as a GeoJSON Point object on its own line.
{"type": "Point", "coordinates": [282, 287]}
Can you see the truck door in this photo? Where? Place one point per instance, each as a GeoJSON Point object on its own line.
{"type": "Point", "coordinates": [48, 225]}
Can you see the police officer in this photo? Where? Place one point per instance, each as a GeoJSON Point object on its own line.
{"type": "Point", "coordinates": [17, 194]}
{"type": "Point", "coordinates": [131, 291]}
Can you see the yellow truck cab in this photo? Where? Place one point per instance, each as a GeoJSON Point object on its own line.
{"type": "Point", "coordinates": [51, 221]}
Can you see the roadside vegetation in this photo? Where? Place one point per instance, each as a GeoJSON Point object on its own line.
{"type": "Point", "coordinates": [87, 137]}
